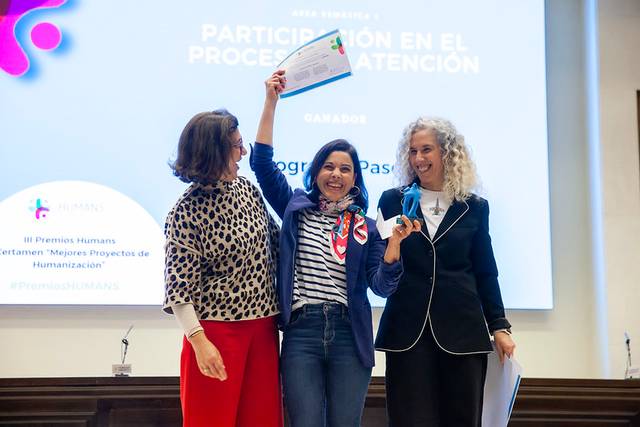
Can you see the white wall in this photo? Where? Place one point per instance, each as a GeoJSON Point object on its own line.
{"type": "Point", "coordinates": [68, 341]}
{"type": "Point", "coordinates": [85, 341]}
{"type": "Point", "coordinates": [619, 23]}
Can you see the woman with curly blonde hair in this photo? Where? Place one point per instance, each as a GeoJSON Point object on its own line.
{"type": "Point", "coordinates": [460, 178]}
{"type": "Point", "coordinates": [436, 327]}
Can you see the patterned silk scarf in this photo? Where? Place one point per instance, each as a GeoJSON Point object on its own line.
{"type": "Point", "coordinates": [339, 235]}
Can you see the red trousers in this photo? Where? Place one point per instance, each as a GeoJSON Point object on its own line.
{"type": "Point", "coordinates": [251, 396]}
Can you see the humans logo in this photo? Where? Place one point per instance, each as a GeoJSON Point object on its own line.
{"type": "Point", "coordinates": [45, 35]}
{"type": "Point", "coordinates": [337, 44]}
{"type": "Point", "coordinates": [39, 209]}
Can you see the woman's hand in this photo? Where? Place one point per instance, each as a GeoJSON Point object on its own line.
{"type": "Point", "coordinates": [208, 357]}
{"type": "Point", "coordinates": [274, 86]}
{"type": "Point", "coordinates": [505, 345]}
{"type": "Point", "coordinates": [400, 232]}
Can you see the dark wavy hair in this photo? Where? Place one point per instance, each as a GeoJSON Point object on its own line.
{"type": "Point", "coordinates": [310, 175]}
{"type": "Point", "coordinates": [204, 148]}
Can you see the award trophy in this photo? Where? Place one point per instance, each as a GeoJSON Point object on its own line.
{"type": "Point", "coordinates": [410, 204]}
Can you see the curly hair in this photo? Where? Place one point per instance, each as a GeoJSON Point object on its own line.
{"type": "Point", "coordinates": [459, 169]}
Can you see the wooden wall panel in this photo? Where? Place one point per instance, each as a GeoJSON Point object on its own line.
{"type": "Point", "coordinates": [154, 401]}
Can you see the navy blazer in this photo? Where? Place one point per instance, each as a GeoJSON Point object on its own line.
{"type": "Point", "coordinates": [364, 263]}
{"type": "Point", "coordinates": [450, 283]}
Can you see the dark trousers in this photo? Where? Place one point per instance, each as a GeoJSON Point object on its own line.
{"type": "Point", "coordinates": [427, 386]}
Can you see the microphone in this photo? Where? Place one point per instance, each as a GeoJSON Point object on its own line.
{"type": "Point", "coordinates": [629, 370]}
{"type": "Point", "coordinates": [125, 344]}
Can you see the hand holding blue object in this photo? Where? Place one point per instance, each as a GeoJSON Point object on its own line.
{"type": "Point", "coordinates": [410, 203]}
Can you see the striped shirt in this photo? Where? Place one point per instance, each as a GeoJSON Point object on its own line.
{"type": "Point", "coordinates": [317, 277]}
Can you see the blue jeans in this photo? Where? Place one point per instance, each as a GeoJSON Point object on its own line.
{"type": "Point", "coordinates": [324, 382]}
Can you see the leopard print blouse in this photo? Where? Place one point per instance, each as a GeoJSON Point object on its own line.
{"type": "Point", "coordinates": [221, 252]}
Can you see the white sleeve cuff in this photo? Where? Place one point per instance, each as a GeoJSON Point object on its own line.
{"type": "Point", "coordinates": [187, 318]}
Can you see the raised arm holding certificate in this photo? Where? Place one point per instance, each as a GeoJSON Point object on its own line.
{"type": "Point", "coordinates": [321, 61]}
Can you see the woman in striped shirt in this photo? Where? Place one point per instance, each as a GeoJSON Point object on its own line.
{"type": "Point", "coordinates": [330, 253]}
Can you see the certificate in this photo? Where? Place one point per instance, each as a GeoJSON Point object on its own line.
{"type": "Point", "coordinates": [500, 389]}
{"type": "Point", "coordinates": [385, 226]}
{"type": "Point", "coordinates": [321, 61]}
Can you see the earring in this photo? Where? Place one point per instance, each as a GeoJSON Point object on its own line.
{"type": "Point", "coordinates": [355, 191]}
